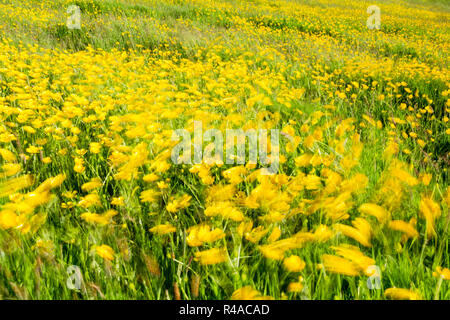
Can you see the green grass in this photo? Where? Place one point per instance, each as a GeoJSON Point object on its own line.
{"type": "Point", "coordinates": [296, 51]}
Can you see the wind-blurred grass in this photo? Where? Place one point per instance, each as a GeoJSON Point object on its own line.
{"type": "Point", "coordinates": [304, 49]}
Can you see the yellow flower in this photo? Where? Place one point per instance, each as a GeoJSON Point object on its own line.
{"type": "Point", "coordinates": [211, 256]}
{"type": "Point", "coordinates": [354, 255]}
{"type": "Point", "coordinates": [150, 177]}
{"type": "Point", "coordinates": [244, 227]}
{"type": "Point", "coordinates": [312, 182]}
{"type": "Point", "coordinates": [90, 200]}
{"type": "Point", "coordinates": [79, 165]}
{"type": "Point", "coordinates": [276, 250]}
{"type": "Point", "coordinates": [203, 233]}
{"type": "Point", "coordinates": [93, 184]}
{"type": "Point", "coordinates": [70, 194]}
{"type": "Point", "coordinates": [323, 233]}
{"type": "Point", "coordinates": [248, 293]}
{"type": "Point", "coordinates": [295, 287]}
{"type": "Point", "coordinates": [163, 229]}
{"type": "Point", "coordinates": [361, 231]}
{"type": "Point", "coordinates": [225, 209]}
{"type": "Point", "coordinates": [15, 184]}
{"type": "Point", "coordinates": [33, 149]}
{"type": "Point", "coordinates": [374, 210]}
{"type": "Point", "coordinates": [149, 195]}
{"type": "Point", "coordinates": [443, 273]}
{"type": "Point", "coordinates": [220, 192]}
{"type": "Point", "coordinates": [404, 176]}
{"type": "Point", "coordinates": [294, 264]}
{"type": "Point", "coordinates": [105, 251]}
{"type": "Point", "coordinates": [303, 160]}
{"type": "Point", "coordinates": [405, 227]}
{"type": "Point", "coordinates": [101, 219]}
{"type": "Point", "coordinates": [274, 235]}
{"type": "Point", "coordinates": [256, 234]}
{"type": "Point", "coordinates": [10, 169]}
{"type": "Point", "coordinates": [430, 211]}
{"type": "Point", "coordinates": [426, 179]}
{"type": "Point", "coordinates": [235, 174]}
{"type": "Point", "coordinates": [9, 219]}
{"type": "Point", "coordinates": [117, 201]}
{"type": "Point", "coordinates": [51, 183]}
{"type": "Point", "coordinates": [162, 185]}
{"type": "Point", "coordinates": [95, 147]}
{"type": "Point", "coordinates": [401, 294]}
{"type": "Point", "coordinates": [340, 265]}
{"type": "Point", "coordinates": [179, 204]}
{"type": "Point", "coordinates": [7, 155]}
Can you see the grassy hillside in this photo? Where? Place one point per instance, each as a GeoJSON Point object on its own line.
{"type": "Point", "coordinates": [86, 136]}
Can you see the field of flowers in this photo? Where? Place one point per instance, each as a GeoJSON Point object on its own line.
{"type": "Point", "coordinates": [93, 207]}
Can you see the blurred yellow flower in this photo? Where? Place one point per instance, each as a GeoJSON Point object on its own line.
{"type": "Point", "coordinates": [248, 293]}
{"type": "Point", "coordinates": [294, 264]}
{"type": "Point", "coordinates": [211, 256]}
{"type": "Point", "coordinates": [401, 294]}
{"type": "Point", "coordinates": [443, 273]}
{"type": "Point", "coordinates": [105, 251]}
{"type": "Point", "coordinates": [163, 229]}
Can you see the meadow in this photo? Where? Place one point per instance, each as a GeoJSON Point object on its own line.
{"type": "Point", "coordinates": [93, 207]}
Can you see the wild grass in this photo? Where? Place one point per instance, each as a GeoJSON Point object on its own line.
{"type": "Point", "coordinates": [137, 70]}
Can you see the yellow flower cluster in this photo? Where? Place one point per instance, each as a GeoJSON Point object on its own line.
{"type": "Point", "coordinates": [86, 141]}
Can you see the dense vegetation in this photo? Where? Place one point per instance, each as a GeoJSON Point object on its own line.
{"type": "Point", "coordinates": [87, 117]}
